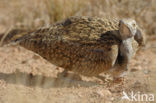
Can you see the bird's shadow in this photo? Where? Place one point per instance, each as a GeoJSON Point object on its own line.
{"type": "Point", "coordinates": [27, 79]}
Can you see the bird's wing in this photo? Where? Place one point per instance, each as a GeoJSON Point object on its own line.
{"type": "Point", "coordinates": [75, 29]}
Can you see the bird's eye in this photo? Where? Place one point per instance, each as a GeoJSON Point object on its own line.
{"type": "Point", "coordinates": [134, 24]}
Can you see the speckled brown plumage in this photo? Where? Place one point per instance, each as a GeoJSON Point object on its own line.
{"type": "Point", "coordinates": [84, 45]}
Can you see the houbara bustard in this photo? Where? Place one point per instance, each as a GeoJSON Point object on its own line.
{"type": "Point", "coordinates": [84, 45]}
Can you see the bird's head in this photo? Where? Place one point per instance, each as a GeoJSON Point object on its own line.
{"type": "Point", "coordinates": [127, 28]}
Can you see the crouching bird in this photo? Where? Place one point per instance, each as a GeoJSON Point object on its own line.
{"type": "Point", "coordinates": [84, 45]}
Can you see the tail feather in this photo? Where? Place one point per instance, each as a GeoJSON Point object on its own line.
{"type": "Point", "coordinates": [13, 36]}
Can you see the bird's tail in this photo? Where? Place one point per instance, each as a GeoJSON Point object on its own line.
{"type": "Point", "coordinates": [12, 36]}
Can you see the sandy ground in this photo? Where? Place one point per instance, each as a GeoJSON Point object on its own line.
{"type": "Point", "coordinates": [27, 78]}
